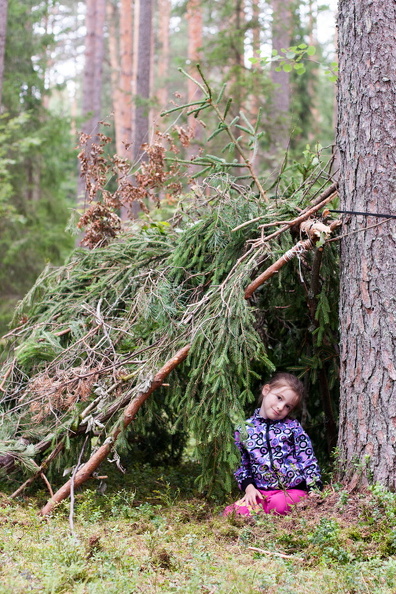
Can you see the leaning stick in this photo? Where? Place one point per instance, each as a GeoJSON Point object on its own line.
{"type": "Point", "coordinates": [314, 230]}
{"type": "Point", "coordinates": [302, 217]}
{"type": "Point", "coordinates": [323, 198]}
{"type": "Point", "coordinates": [89, 467]}
{"type": "Point", "coordinates": [300, 247]}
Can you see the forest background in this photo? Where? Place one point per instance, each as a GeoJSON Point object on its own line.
{"type": "Point", "coordinates": [50, 92]}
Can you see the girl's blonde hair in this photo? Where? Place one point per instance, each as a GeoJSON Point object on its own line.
{"type": "Point", "coordinates": [282, 378]}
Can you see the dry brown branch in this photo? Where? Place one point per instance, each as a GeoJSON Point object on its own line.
{"type": "Point", "coordinates": [299, 248]}
{"type": "Point", "coordinates": [89, 467]}
{"type": "Point", "coordinates": [302, 217]}
{"type": "Point", "coordinates": [62, 332]}
{"type": "Point", "coordinates": [6, 375]}
{"type": "Point", "coordinates": [324, 196]}
{"type": "Point", "coordinates": [314, 230]}
{"type": "Point", "coordinates": [47, 483]}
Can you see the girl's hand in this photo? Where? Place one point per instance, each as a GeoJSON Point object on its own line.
{"type": "Point", "coordinates": [251, 497]}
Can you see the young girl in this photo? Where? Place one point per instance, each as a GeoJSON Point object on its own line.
{"type": "Point", "coordinates": [278, 465]}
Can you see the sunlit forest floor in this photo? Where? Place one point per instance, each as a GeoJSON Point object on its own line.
{"type": "Point", "coordinates": [151, 532]}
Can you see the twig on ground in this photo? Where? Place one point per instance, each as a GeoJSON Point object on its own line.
{"type": "Point", "coordinates": [71, 512]}
{"type": "Point", "coordinates": [276, 554]}
{"type": "Point", "coordinates": [47, 483]}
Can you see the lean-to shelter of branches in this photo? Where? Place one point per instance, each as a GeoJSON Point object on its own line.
{"type": "Point", "coordinates": [93, 337]}
{"type": "Point", "coordinates": [93, 334]}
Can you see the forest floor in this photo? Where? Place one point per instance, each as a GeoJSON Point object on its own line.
{"type": "Point", "coordinates": [150, 532]}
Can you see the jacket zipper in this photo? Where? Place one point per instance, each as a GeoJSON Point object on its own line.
{"type": "Point", "coordinates": [269, 445]}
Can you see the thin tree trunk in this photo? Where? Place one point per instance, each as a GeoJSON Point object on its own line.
{"type": "Point", "coordinates": [195, 37]}
{"type": "Point", "coordinates": [142, 88]}
{"type": "Point", "coordinates": [366, 140]}
{"type": "Point", "coordinates": [143, 76]}
{"type": "Point", "coordinates": [314, 128]}
{"type": "Point", "coordinates": [114, 54]}
{"type": "Point", "coordinates": [100, 455]}
{"type": "Point", "coordinates": [92, 78]}
{"type": "Point", "coordinates": [280, 111]}
{"type": "Point", "coordinates": [122, 60]}
{"type": "Point", "coordinates": [126, 76]}
{"type": "Point", "coordinates": [164, 9]}
{"type": "Point", "coordinates": [3, 34]}
{"type": "Point", "coordinates": [256, 97]}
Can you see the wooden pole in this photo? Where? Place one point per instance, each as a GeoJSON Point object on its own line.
{"type": "Point", "coordinates": [89, 467]}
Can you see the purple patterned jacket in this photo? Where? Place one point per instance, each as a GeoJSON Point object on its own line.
{"type": "Point", "coordinates": [276, 455]}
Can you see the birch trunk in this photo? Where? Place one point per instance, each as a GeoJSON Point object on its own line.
{"type": "Point", "coordinates": [366, 141]}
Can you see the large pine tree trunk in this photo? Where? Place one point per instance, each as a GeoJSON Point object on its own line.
{"type": "Point", "coordinates": [367, 145]}
{"type": "Point", "coordinates": [3, 31]}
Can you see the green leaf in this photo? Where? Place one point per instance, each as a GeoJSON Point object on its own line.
{"type": "Point", "coordinates": [311, 50]}
{"type": "Point", "coordinates": [287, 68]}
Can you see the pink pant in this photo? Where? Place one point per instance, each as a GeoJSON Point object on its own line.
{"type": "Point", "coordinates": [277, 501]}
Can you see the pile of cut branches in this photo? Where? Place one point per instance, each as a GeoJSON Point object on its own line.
{"type": "Point", "coordinates": [93, 335]}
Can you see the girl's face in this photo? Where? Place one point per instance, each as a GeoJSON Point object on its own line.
{"type": "Point", "coordinates": [277, 402]}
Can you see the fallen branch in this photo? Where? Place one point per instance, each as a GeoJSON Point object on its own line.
{"type": "Point", "coordinates": [297, 249]}
{"type": "Point", "coordinates": [99, 456]}
{"type": "Point", "coordinates": [275, 554]}
{"type": "Point", "coordinates": [315, 230]}
{"type": "Point", "coordinates": [302, 217]}
{"type": "Point", "coordinates": [323, 198]}
{"type": "Point", "coordinates": [48, 484]}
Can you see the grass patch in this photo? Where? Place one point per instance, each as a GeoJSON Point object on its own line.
{"type": "Point", "coordinates": [152, 532]}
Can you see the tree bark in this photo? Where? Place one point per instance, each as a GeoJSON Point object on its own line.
{"type": "Point", "coordinates": [3, 33]}
{"type": "Point", "coordinates": [113, 19]}
{"type": "Point", "coordinates": [84, 473]}
{"type": "Point", "coordinates": [164, 9]}
{"type": "Point", "coordinates": [122, 62]}
{"type": "Point", "coordinates": [366, 139]}
{"type": "Point", "coordinates": [143, 75]}
{"type": "Point", "coordinates": [92, 77]}
{"type": "Point", "coordinates": [142, 83]}
{"type": "Point", "coordinates": [280, 104]}
{"type": "Point", "coordinates": [94, 54]}
{"type": "Point", "coordinates": [126, 76]}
